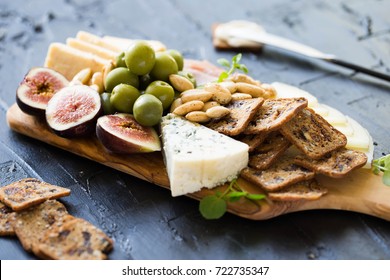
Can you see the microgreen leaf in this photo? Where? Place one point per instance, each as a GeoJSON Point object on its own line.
{"type": "Point", "coordinates": [212, 207]}
{"type": "Point", "coordinates": [231, 66]}
{"type": "Point", "coordinates": [382, 164]}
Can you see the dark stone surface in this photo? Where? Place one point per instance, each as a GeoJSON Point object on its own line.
{"type": "Point", "coordinates": [143, 219]}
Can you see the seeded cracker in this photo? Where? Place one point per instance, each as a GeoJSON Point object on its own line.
{"type": "Point", "coordinates": [337, 164]}
{"type": "Point", "coordinates": [281, 174]}
{"type": "Point", "coordinates": [75, 239]}
{"type": "Point", "coordinates": [274, 113]}
{"type": "Point", "coordinates": [268, 151]}
{"type": "Point", "coordinates": [29, 192]}
{"type": "Point", "coordinates": [31, 224]}
{"type": "Point", "coordinates": [305, 190]}
{"type": "Point", "coordinates": [5, 226]}
{"type": "Point", "coordinates": [312, 134]}
{"type": "Point", "coordinates": [252, 140]}
{"type": "Point", "coordinates": [241, 113]}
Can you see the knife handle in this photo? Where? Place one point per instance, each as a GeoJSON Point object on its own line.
{"type": "Point", "coordinates": [359, 68]}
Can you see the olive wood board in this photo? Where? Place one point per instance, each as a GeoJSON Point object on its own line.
{"type": "Point", "coordinates": [361, 191]}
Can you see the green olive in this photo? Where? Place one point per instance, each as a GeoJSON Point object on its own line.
{"type": "Point", "coordinates": [189, 76]}
{"type": "Point", "coordinates": [140, 58]}
{"type": "Point", "coordinates": [120, 75]}
{"type": "Point", "coordinates": [178, 57]}
{"type": "Point", "coordinates": [148, 110]}
{"type": "Point", "coordinates": [106, 102]}
{"type": "Point", "coordinates": [120, 60]}
{"type": "Point", "coordinates": [165, 65]}
{"type": "Point", "coordinates": [163, 91]}
{"type": "Point", "coordinates": [123, 97]}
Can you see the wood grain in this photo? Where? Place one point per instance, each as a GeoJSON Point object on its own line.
{"type": "Point", "coordinates": [361, 191]}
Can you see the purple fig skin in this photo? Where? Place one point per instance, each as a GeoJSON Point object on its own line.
{"type": "Point", "coordinates": [64, 97]}
{"type": "Point", "coordinates": [37, 88]}
{"type": "Point", "coordinates": [136, 138]}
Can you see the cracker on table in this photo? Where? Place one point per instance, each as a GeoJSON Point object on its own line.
{"type": "Point", "coordinates": [31, 224]}
{"type": "Point", "coordinates": [28, 192]}
{"type": "Point", "coordinates": [269, 151]}
{"type": "Point", "coordinates": [312, 134]}
{"type": "Point", "coordinates": [75, 239]}
{"type": "Point", "coordinates": [5, 225]}
{"type": "Point", "coordinates": [281, 174]}
{"type": "Point", "coordinates": [241, 113]}
{"type": "Point", "coordinates": [305, 190]}
{"type": "Point", "coordinates": [336, 164]}
{"type": "Point", "coordinates": [274, 113]}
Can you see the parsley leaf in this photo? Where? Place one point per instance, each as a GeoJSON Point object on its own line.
{"type": "Point", "coordinates": [231, 66]}
{"type": "Point", "coordinates": [382, 164]}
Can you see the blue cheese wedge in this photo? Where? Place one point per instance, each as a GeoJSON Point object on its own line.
{"type": "Point", "coordinates": [197, 157]}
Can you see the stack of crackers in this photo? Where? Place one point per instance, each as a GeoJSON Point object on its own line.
{"type": "Point", "coordinates": [28, 209]}
{"type": "Point", "coordinates": [289, 144]}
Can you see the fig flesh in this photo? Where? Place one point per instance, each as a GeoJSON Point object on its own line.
{"type": "Point", "coordinates": [73, 111]}
{"type": "Point", "coordinates": [120, 133]}
{"type": "Point", "coordinates": [37, 88]}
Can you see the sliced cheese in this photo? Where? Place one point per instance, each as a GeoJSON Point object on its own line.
{"type": "Point", "coordinates": [96, 40]}
{"type": "Point", "coordinates": [288, 91]}
{"type": "Point", "coordinates": [198, 157]}
{"type": "Point", "coordinates": [360, 140]}
{"type": "Point", "coordinates": [124, 43]}
{"type": "Point", "coordinates": [334, 116]}
{"type": "Point", "coordinates": [69, 61]}
{"type": "Point", "coordinates": [91, 48]}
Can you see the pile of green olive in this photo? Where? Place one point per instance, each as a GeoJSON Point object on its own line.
{"type": "Point", "coordinates": [139, 84]}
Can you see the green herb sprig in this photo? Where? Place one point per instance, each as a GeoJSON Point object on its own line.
{"type": "Point", "coordinates": [382, 164]}
{"type": "Point", "coordinates": [231, 66]}
{"type": "Point", "coordinates": [214, 206]}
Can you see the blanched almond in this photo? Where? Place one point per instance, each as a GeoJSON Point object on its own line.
{"type": "Point", "coordinates": [242, 78]}
{"type": "Point", "coordinates": [217, 112]}
{"type": "Point", "coordinates": [82, 76]}
{"type": "Point", "coordinates": [220, 94]}
{"type": "Point", "coordinates": [176, 103]}
{"type": "Point", "coordinates": [185, 108]}
{"type": "Point", "coordinates": [230, 85]}
{"type": "Point", "coordinates": [196, 94]}
{"type": "Point", "coordinates": [180, 83]}
{"type": "Point", "coordinates": [97, 79]}
{"type": "Point", "coordinates": [197, 116]}
{"type": "Point", "coordinates": [240, 96]}
{"type": "Point", "coordinates": [270, 91]}
{"type": "Point", "coordinates": [254, 91]}
{"type": "Point", "coordinates": [209, 104]}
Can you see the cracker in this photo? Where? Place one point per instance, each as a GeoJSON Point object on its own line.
{"type": "Point", "coordinates": [305, 190]}
{"type": "Point", "coordinates": [274, 113]}
{"type": "Point", "coordinates": [252, 140]}
{"type": "Point", "coordinates": [336, 164]}
{"type": "Point", "coordinates": [28, 192]}
{"type": "Point", "coordinates": [30, 225]}
{"type": "Point", "coordinates": [241, 113]}
{"type": "Point", "coordinates": [75, 239]}
{"type": "Point", "coordinates": [5, 226]}
{"type": "Point", "coordinates": [268, 151]}
{"type": "Point", "coordinates": [281, 174]}
{"type": "Point", "coordinates": [312, 134]}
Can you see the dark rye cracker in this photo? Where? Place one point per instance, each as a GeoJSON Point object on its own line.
{"type": "Point", "coordinates": [274, 113]}
{"type": "Point", "coordinates": [269, 151]}
{"type": "Point", "coordinates": [5, 226]}
{"type": "Point", "coordinates": [31, 224]}
{"type": "Point", "coordinates": [336, 164]}
{"type": "Point", "coordinates": [241, 113]}
{"type": "Point", "coordinates": [312, 134]}
{"type": "Point", "coordinates": [305, 190]}
{"type": "Point", "coordinates": [28, 192]}
{"type": "Point", "coordinates": [281, 174]}
{"type": "Point", "coordinates": [252, 140]}
{"type": "Point", "coordinates": [75, 239]}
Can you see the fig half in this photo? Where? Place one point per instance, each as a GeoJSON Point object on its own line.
{"type": "Point", "coordinates": [120, 133]}
{"type": "Point", "coordinates": [73, 111]}
{"type": "Point", "coordinates": [37, 88]}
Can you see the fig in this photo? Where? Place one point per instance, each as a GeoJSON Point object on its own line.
{"type": "Point", "coordinates": [37, 88]}
{"type": "Point", "coordinates": [73, 111]}
{"type": "Point", "coordinates": [121, 133]}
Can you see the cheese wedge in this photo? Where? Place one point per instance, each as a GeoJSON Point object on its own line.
{"type": "Point", "coordinates": [198, 157]}
{"type": "Point", "coordinates": [69, 61]}
{"type": "Point", "coordinates": [91, 48]}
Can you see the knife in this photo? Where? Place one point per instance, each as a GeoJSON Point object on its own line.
{"type": "Point", "coordinates": [235, 33]}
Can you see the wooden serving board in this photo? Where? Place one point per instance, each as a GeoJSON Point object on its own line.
{"type": "Point", "coordinates": [361, 191]}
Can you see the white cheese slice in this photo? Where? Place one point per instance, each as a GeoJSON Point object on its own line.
{"type": "Point", "coordinates": [197, 157]}
{"type": "Point", "coordinates": [360, 140]}
{"type": "Point", "coordinates": [334, 116]}
{"type": "Point", "coordinates": [288, 91]}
